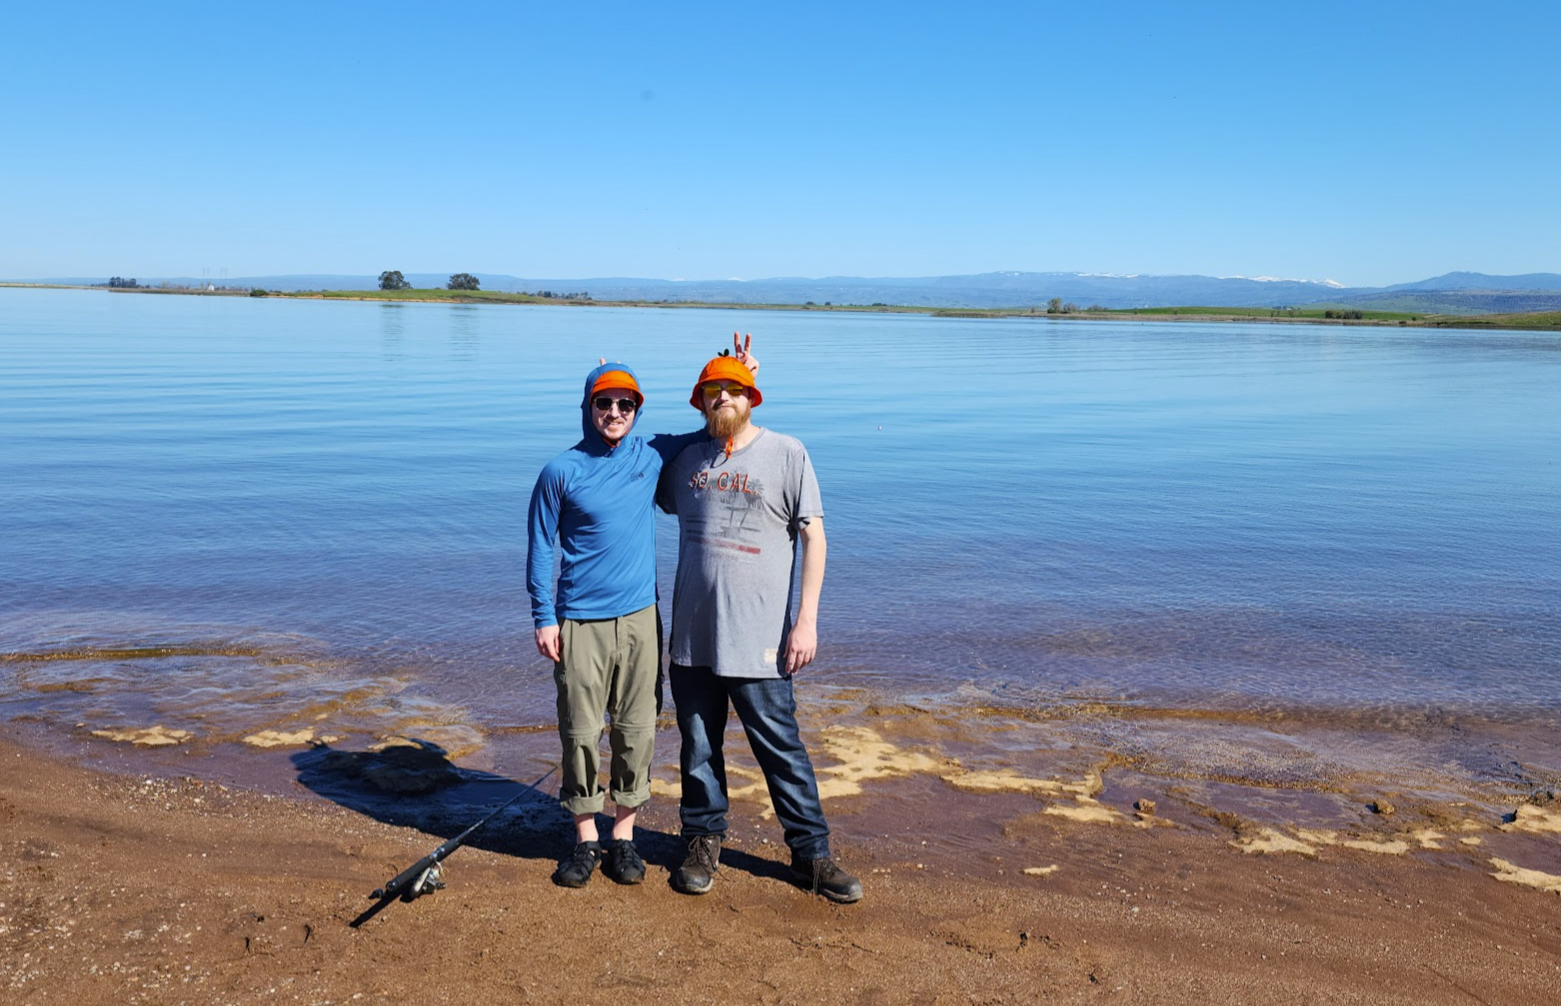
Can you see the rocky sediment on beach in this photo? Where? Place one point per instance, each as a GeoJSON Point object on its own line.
{"type": "Point", "coordinates": [131, 889]}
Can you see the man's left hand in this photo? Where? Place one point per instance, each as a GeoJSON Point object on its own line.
{"type": "Point", "coordinates": [742, 352]}
{"type": "Point", "coordinates": [801, 646]}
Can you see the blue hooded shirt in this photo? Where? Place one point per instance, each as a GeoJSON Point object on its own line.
{"type": "Point", "coordinates": [597, 500]}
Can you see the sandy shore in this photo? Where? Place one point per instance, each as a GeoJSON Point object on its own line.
{"type": "Point", "coordinates": [150, 889]}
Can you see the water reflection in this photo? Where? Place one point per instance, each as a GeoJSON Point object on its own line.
{"type": "Point", "coordinates": [392, 330]}
{"type": "Point", "coordinates": [465, 332]}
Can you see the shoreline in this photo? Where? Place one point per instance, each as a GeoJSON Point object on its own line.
{"type": "Point", "coordinates": [1437, 762]}
{"type": "Point", "coordinates": [1296, 770]}
{"type": "Point", "coordinates": [158, 887]}
{"type": "Point", "coordinates": [1475, 323]}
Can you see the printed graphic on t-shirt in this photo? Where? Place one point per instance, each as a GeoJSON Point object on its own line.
{"type": "Point", "coordinates": [729, 502]}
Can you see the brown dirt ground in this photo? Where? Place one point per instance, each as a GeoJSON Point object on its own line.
{"type": "Point", "coordinates": [158, 890]}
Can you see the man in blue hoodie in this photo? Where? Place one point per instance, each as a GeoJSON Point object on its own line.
{"type": "Point", "coordinates": [603, 632]}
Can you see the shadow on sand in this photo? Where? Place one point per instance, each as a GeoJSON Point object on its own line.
{"type": "Point", "coordinates": [418, 786]}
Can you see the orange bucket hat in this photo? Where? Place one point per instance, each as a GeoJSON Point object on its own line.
{"type": "Point", "coordinates": [724, 368]}
{"type": "Point", "coordinates": [619, 379]}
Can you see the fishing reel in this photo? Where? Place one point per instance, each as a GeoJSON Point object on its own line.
{"type": "Point", "coordinates": [427, 882]}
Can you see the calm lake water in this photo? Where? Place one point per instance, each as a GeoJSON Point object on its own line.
{"type": "Point", "coordinates": [319, 508]}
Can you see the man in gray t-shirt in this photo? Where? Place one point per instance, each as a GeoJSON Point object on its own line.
{"type": "Point", "coordinates": [738, 521]}
{"type": "Point", "coordinates": [745, 499]}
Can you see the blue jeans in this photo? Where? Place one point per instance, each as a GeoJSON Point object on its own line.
{"type": "Point", "coordinates": [767, 709]}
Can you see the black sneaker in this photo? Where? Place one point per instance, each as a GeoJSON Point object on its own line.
{"type": "Point", "coordinates": [698, 870]}
{"type": "Point", "coordinates": [577, 869]}
{"type": "Point", "coordinates": [824, 876]}
{"type": "Point", "coordinates": [623, 863]}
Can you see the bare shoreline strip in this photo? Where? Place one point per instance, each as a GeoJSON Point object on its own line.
{"type": "Point", "coordinates": [119, 888]}
{"type": "Point", "coordinates": [1441, 322]}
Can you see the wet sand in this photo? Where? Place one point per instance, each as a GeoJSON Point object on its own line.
{"type": "Point", "coordinates": [156, 888]}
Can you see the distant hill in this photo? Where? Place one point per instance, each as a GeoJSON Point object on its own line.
{"type": "Point", "coordinates": [1453, 293]}
{"type": "Point", "coordinates": [997, 289]}
{"type": "Point", "coordinates": [1480, 281]}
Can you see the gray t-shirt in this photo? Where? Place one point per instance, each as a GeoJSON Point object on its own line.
{"type": "Point", "coordinates": [738, 519]}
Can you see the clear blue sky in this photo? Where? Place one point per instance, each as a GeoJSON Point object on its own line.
{"type": "Point", "coordinates": [1369, 143]}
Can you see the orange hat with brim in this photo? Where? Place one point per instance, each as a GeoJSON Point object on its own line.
{"type": "Point", "coordinates": [724, 368]}
{"type": "Point", "coordinates": [618, 379]}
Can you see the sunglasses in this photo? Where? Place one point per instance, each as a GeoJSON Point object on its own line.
{"type": "Point", "coordinates": [625, 405]}
{"type": "Point", "coordinates": [713, 389]}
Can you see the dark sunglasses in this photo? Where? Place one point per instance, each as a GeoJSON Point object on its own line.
{"type": "Point", "coordinates": [625, 405]}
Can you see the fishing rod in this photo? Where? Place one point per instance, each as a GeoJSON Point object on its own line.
{"type": "Point", "coordinates": [426, 876]}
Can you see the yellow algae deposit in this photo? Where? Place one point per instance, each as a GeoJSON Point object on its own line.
{"type": "Point", "coordinates": [1514, 874]}
{"type": "Point", "coordinates": [1084, 809]}
{"type": "Point", "coordinates": [862, 755]}
{"type": "Point", "coordinates": [1539, 820]}
{"type": "Point", "coordinates": [1267, 841]}
{"type": "Point", "coordinates": [1306, 841]}
{"type": "Point", "coordinates": [1006, 780]}
{"type": "Point", "coordinates": [456, 740]}
{"type": "Point", "coordinates": [280, 738]}
{"type": "Point", "coordinates": [147, 737]}
{"type": "Point", "coordinates": [1040, 871]}
{"type": "Point", "coordinates": [1087, 811]}
{"type": "Point", "coordinates": [1396, 847]}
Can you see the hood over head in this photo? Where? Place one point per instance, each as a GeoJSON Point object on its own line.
{"type": "Point", "coordinates": [608, 375]}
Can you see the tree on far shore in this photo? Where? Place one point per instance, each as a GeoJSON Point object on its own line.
{"type": "Point", "coordinates": [462, 281]}
{"type": "Point", "coordinates": [391, 279]}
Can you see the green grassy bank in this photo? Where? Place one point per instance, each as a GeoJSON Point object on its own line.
{"type": "Point", "coordinates": [1312, 314]}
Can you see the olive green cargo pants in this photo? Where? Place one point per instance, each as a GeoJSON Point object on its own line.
{"type": "Point", "coordinates": [610, 667]}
